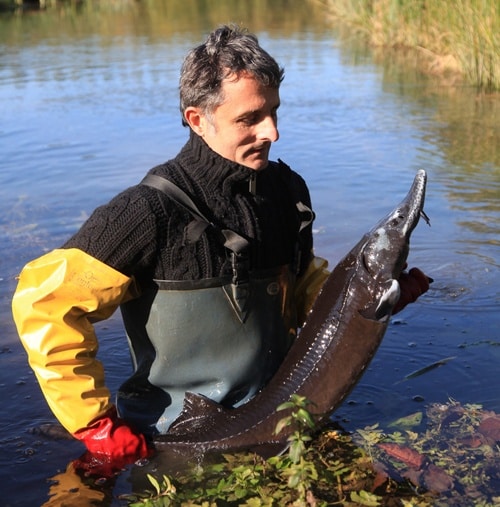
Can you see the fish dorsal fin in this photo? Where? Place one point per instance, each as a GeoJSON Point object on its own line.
{"type": "Point", "coordinates": [383, 309]}
{"type": "Point", "coordinates": [197, 413]}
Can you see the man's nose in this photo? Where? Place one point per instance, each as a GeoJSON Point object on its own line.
{"type": "Point", "coordinates": [268, 129]}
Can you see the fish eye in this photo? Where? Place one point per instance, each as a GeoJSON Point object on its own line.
{"type": "Point", "coordinates": [396, 220]}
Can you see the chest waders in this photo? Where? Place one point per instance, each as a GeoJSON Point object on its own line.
{"type": "Point", "coordinates": [220, 337]}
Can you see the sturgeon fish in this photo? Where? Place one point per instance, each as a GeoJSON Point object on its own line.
{"type": "Point", "coordinates": [340, 337]}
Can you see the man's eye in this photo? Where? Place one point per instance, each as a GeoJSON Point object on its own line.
{"type": "Point", "coordinates": [248, 120]}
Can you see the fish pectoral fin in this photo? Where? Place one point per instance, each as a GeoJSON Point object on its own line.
{"type": "Point", "coordinates": [383, 309]}
{"type": "Point", "coordinates": [389, 298]}
{"type": "Point", "coordinates": [197, 412]}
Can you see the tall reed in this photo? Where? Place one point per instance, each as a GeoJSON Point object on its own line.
{"type": "Point", "coordinates": [455, 35]}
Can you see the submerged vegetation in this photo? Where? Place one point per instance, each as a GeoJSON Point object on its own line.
{"type": "Point", "coordinates": [451, 36]}
{"type": "Point", "coordinates": [454, 457]}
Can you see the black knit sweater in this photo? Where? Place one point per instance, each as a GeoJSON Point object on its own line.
{"type": "Point", "coordinates": [141, 232]}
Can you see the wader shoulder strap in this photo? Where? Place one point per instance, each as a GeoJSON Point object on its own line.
{"type": "Point", "coordinates": [178, 195]}
{"type": "Point", "coordinates": [233, 241]}
{"type": "Point", "coordinates": [305, 217]}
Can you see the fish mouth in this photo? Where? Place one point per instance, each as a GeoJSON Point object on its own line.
{"type": "Point", "coordinates": [390, 238]}
{"type": "Point", "coordinates": [404, 218]}
{"type": "Point", "coordinates": [412, 205]}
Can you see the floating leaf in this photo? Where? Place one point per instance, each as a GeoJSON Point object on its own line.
{"type": "Point", "coordinates": [408, 421]}
{"type": "Point", "coordinates": [371, 434]}
{"type": "Point", "coordinates": [428, 368]}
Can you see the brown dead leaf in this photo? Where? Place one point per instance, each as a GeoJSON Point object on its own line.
{"type": "Point", "coordinates": [473, 441]}
{"type": "Point", "coordinates": [436, 479]}
{"type": "Point", "coordinates": [490, 428]}
{"type": "Point", "coordinates": [381, 476]}
{"type": "Point", "coordinates": [412, 475]}
{"type": "Point", "coordinates": [404, 454]}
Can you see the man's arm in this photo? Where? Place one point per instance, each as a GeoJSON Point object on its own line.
{"type": "Point", "coordinates": [58, 298]}
{"type": "Point", "coordinates": [412, 284]}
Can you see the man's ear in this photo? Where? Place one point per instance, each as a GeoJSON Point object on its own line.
{"type": "Point", "coordinates": [195, 119]}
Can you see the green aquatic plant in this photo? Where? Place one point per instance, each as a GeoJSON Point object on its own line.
{"type": "Point", "coordinates": [298, 472]}
{"type": "Point", "coordinates": [365, 498]}
{"type": "Point", "coordinates": [163, 495]}
{"type": "Point", "coordinates": [370, 436]}
{"type": "Point", "coordinates": [245, 479]}
{"type": "Point", "coordinates": [302, 422]}
{"type": "Point", "coordinates": [455, 456]}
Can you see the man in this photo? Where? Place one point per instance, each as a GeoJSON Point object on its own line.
{"type": "Point", "coordinates": [210, 259]}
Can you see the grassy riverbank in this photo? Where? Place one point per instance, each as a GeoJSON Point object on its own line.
{"type": "Point", "coordinates": [452, 36]}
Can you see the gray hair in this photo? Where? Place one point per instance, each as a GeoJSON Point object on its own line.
{"type": "Point", "coordinates": [227, 50]}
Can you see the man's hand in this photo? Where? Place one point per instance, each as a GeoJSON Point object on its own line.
{"type": "Point", "coordinates": [412, 284]}
{"type": "Point", "coordinates": [111, 445]}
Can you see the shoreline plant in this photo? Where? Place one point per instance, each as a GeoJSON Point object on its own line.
{"type": "Point", "coordinates": [451, 36]}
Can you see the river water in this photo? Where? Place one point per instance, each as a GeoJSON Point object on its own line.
{"type": "Point", "coordinates": [88, 103]}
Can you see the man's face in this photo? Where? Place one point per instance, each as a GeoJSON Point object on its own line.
{"type": "Point", "coordinates": [243, 127]}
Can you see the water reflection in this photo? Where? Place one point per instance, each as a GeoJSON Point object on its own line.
{"type": "Point", "coordinates": [465, 129]}
{"type": "Point", "coordinates": [459, 124]}
{"type": "Point", "coordinates": [154, 20]}
{"type": "Point", "coordinates": [89, 94]}
{"type": "Point", "coordinates": [72, 487]}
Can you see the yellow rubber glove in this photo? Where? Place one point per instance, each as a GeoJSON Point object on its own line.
{"type": "Point", "coordinates": [308, 286]}
{"type": "Point", "coordinates": [58, 297]}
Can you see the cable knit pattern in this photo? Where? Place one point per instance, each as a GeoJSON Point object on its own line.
{"type": "Point", "coordinates": [133, 234]}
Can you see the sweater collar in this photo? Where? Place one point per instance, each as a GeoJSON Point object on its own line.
{"type": "Point", "coordinates": [216, 172]}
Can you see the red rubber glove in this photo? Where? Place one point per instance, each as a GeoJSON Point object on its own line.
{"type": "Point", "coordinates": [412, 284]}
{"type": "Point", "coordinates": [110, 441]}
